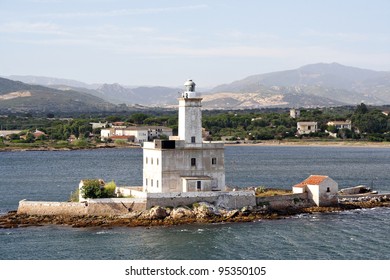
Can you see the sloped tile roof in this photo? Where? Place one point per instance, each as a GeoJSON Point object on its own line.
{"type": "Point", "coordinates": [312, 180]}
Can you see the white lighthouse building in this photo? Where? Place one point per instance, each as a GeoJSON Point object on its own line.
{"type": "Point", "coordinates": [184, 163]}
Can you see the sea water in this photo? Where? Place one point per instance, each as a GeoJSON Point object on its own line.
{"type": "Point", "coordinates": [52, 176]}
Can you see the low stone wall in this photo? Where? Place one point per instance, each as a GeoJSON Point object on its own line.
{"type": "Point", "coordinates": [279, 202]}
{"type": "Point", "coordinates": [114, 206]}
{"type": "Point", "coordinates": [52, 208]}
{"type": "Point", "coordinates": [364, 197]}
{"type": "Point", "coordinates": [119, 206]}
{"type": "Point", "coordinates": [354, 190]}
{"type": "Point", "coordinates": [131, 191]}
{"type": "Point", "coordinates": [93, 207]}
{"type": "Point", "coordinates": [228, 200]}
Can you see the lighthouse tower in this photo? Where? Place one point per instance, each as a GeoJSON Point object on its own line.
{"type": "Point", "coordinates": [190, 115]}
{"type": "Point", "coordinates": [184, 163]}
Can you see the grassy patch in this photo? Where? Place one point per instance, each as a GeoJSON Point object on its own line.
{"type": "Point", "coordinates": [272, 192]}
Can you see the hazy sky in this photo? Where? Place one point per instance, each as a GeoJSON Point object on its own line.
{"type": "Point", "coordinates": [167, 42]}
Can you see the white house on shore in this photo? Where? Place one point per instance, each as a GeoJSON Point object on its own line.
{"type": "Point", "coordinates": [306, 127]}
{"type": "Point", "coordinates": [340, 124]}
{"type": "Point", "coordinates": [321, 189]}
{"type": "Point", "coordinates": [184, 163]}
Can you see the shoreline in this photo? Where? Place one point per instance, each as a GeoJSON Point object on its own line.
{"type": "Point", "coordinates": [268, 143]}
{"type": "Point", "coordinates": [55, 149]}
{"type": "Point", "coordinates": [315, 143]}
{"type": "Point", "coordinates": [159, 216]}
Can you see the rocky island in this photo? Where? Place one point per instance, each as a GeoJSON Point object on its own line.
{"type": "Point", "coordinates": [202, 212]}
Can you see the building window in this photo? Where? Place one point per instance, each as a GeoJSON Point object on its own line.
{"type": "Point", "coordinates": [198, 185]}
{"type": "Point", "coordinates": [151, 182]}
{"type": "Point", "coordinates": [157, 183]}
{"type": "Point", "coordinates": [214, 161]}
{"type": "Point", "coordinates": [151, 160]}
{"type": "Point", "coordinates": [146, 160]}
{"type": "Point", "coordinates": [157, 161]}
{"type": "Point", "coordinates": [193, 161]}
{"type": "Point", "coordinates": [146, 182]}
{"type": "Point", "coordinates": [327, 189]}
{"type": "Point", "coordinates": [193, 139]}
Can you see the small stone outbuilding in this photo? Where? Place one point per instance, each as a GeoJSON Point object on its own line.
{"type": "Point", "coordinates": [321, 189]}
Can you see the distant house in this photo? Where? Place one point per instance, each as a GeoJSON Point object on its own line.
{"type": "Point", "coordinates": [295, 113]}
{"type": "Point", "coordinates": [130, 138]}
{"type": "Point", "coordinates": [38, 133]}
{"type": "Point", "coordinates": [6, 133]}
{"type": "Point", "coordinates": [306, 127]}
{"type": "Point", "coordinates": [321, 189]}
{"type": "Point", "coordinates": [118, 125]}
{"type": "Point", "coordinates": [139, 134]}
{"type": "Point", "coordinates": [99, 125]}
{"type": "Point", "coordinates": [340, 124]}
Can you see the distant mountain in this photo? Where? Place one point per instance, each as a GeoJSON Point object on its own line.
{"type": "Point", "coordinates": [151, 96]}
{"type": "Point", "coordinates": [316, 84]}
{"type": "Point", "coordinates": [50, 81]}
{"type": "Point", "coordinates": [20, 97]}
{"type": "Point", "coordinates": [266, 97]}
{"type": "Point", "coordinates": [113, 93]}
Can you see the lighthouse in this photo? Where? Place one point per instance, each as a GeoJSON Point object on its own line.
{"type": "Point", "coordinates": [190, 115]}
{"type": "Point", "coordinates": [184, 163]}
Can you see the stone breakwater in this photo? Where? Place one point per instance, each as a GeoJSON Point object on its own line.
{"type": "Point", "coordinates": [161, 216]}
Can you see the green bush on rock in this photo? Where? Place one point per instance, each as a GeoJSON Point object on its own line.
{"type": "Point", "coordinates": [96, 188]}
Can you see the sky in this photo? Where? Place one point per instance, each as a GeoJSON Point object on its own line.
{"type": "Point", "coordinates": [166, 42]}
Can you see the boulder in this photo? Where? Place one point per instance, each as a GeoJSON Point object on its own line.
{"type": "Point", "coordinates": [181, 212]}
{"type": "Point", "coordinates": [246, 210]}
{"type": "Point", "coordinates": [206, 210]}
{"type": "Point", "coordinates": [157, 213]}
{"type": "Point", "coordinates": [231, 214]}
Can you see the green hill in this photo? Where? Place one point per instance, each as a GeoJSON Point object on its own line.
{"type": "Point", "coordinates": [20, 97]}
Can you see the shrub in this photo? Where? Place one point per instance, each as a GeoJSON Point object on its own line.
{"type": "Point", "coordinates": [92, 189]}
{"type": "Point", "coordinates": [74, 196]}
{"type": "Point", "coordinates": [80, 143]}
{"type": "Point", "coordinates": [62, 143]}
{"type": "Point", "coordinates": [260, 189]}
{"type": "Point", "coordinates": [109, 189]}
{"type": "Point", "coordinates": [120, 142]}
{"type": "Point", "coordinates": [97, 189]}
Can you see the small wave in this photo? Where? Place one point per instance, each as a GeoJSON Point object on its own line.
{"type": "Point", "coordinates": [103, 232]}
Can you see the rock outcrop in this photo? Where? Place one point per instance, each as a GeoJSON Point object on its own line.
{"type": "Point", "coordinates": [202, 212]}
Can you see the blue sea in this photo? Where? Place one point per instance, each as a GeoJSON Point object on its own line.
{"type": "Point", "coordinates": [52, 176]}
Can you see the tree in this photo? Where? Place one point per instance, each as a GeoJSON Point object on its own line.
{"type": "Point", "coordinates": [138, 118]}
{"type": "Point", "coordinates": [344, 133]}
{"type": "Point", "coordinates": [14, 136]}
{"type": "Point", "coordinates": [113, 119]}
{"type": "Point", "coordinates": [331, 128]}
{"type": "Point", "coordinates": [361, 109]}
{"type": "Point", "coordinates": [29, 138]}
{"type": "Point", "coordinates": [370, 122]}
